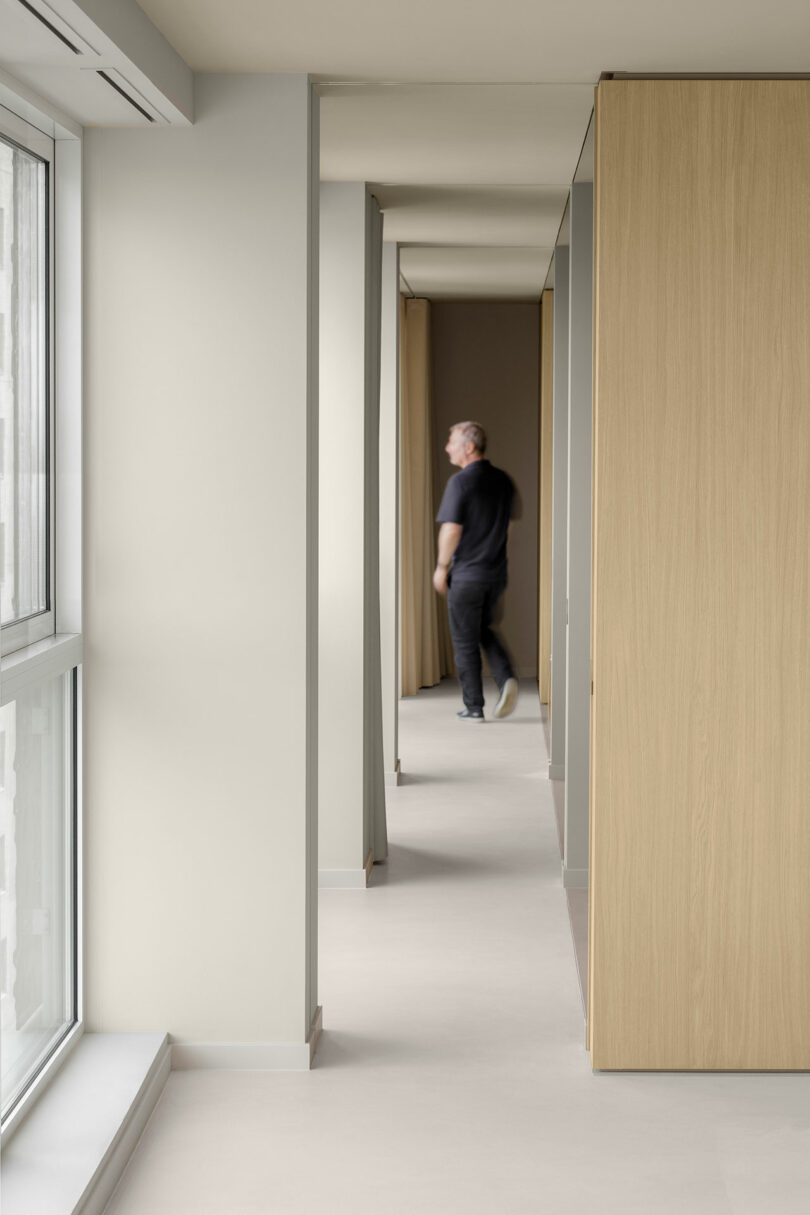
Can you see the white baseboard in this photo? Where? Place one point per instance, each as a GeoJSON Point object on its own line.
{"type": "Point", "coordinates": [250, 1056]}
{"type": "Point", "coordinates": [574, 879]}
{"type": "Point", "coordinates": [342, 879]}
{"type": "Point", "coordinates": [556, 772]}
{"type": "Point", "coordinates": [392, 778]}
{"type": "Point", "coordinates": [347, 879]}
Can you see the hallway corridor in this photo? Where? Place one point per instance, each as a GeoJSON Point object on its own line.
{"type": "Point", "coordinates": [452, 1077]}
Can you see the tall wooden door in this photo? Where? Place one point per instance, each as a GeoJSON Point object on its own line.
{"type": "Point", "coordinates": [700, 773]}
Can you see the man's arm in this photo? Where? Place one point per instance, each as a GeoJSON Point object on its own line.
{"type": "Point", "coordinates": [449, 536]}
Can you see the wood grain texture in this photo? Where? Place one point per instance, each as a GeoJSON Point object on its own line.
{"type": "Point", "coordinates": [700, 831]}
{"type": "Point", "coordinates": [546, 461]}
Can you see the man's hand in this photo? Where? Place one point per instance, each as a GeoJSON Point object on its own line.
{"type": "Point", "coordinates": [449, 536]}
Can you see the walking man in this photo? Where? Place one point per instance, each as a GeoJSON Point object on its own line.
{"type": "Point", "coordinates": [475, 513]}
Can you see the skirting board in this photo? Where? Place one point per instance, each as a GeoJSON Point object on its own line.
{"type": "Point", "coordinates": [347, 879]}
{"type": "Point", "coordinates": [250, 1056]}
{"type": "Point", "coordinates": [342, 879]}
{"type": "Point", "coordinates": [392, 778]}
{"type": "Point", "coordinates": [556, 772]}
{"type": "Point", "coordinates": [574, 879]}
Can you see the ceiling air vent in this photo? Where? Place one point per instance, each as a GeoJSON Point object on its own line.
{"type": "Point", "coordinates": [108, 79]}
{"type": "Point", "coordinates": [141, 108]}
{"type": "Point", "coordinates": [50, 26]}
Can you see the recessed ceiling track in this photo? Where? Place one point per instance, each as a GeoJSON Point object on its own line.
{"type": "Point", "coordinates": [114, 85]}
{"type": "Point", "coordinates": [49, 26]}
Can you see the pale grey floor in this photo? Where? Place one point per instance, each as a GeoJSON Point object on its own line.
{"type": "Point", "coordinates": [452, 1079]}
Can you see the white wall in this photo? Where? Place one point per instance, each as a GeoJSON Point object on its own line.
{"type": "Point", "coordinates": [200, 537]}
{"type": "Point", "coordinates": [389, 510]}
{"type": "Point", "coordinates": [351, 810]}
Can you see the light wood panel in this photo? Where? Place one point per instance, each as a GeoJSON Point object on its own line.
{"type": "Point", "coordinates": [700, 831]}
{"type": "Point", "coordinates": [546, 459]}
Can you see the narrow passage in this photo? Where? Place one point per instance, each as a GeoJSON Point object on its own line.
{"type": "Point", "coordinates": [452, 1078]}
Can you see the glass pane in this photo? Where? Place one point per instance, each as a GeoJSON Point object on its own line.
{"type": "Point", "coordinates": [23, 385]}
{"type": "Point", "coordinates": [36, 880]}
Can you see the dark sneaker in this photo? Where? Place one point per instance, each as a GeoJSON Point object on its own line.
{"type": "Point", "coordinates": [507, 699]}
{"type": "Point", "coordinates": [471, 715]}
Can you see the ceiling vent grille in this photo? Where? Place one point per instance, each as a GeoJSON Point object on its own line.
{"type": "Point", "coordinates": [49, 26]}
{"type": "Point", "coordinates": [107, 78]}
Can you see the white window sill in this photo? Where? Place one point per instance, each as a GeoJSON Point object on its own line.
{"type": "Point", "coordinates": [40, 660]}
{"type": "Point", "coordinates": [69, 1152]}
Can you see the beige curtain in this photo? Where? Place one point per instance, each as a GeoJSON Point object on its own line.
{"type": "Point", "coordinates": [420, 634]}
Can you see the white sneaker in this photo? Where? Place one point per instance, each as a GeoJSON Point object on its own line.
{"type": "Point", "coordinates": [507, 699]}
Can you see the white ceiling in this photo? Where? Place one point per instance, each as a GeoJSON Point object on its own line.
{"type": "Point", "coordinates": [454, 135]}
{"type": "Point", "coordinates": [468, 166]}
{"type": "Point", "coordinates": [440, 215]}
{"type": "Point", "coordinates": [479, 40]}
{"type": "Point", "coordinates": [471, 114]}
{"type": "Point", "coordinates": [467, 273]}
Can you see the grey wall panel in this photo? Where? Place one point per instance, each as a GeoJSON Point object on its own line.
{"type": "Point", "coordinates": [350, 782]}
{"type": "Point", "coordinates": [389, 509]}
{"type": "Point", "coordinates": [559, 516]}
{"type": "Point", "coordinates": [580, 445]}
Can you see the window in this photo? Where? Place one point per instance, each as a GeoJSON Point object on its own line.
{"type": "Point", "coordinates": [25, 391]}
{"type": "Point", "coordinates": [37, 902]}
{"type": "Point", "coordinates": [40, 681]}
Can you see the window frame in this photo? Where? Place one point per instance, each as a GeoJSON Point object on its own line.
{"type": "Point", "coordinates": [60, 650]}
{"type": "Point", "coordinates": [31, 629]}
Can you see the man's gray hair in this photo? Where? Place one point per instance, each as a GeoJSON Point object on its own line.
{"type": "Point", "coordinates": [473, 432]}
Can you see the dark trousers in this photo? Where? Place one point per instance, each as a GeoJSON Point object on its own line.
{"type": "Point", "coordinates": [471, 608]}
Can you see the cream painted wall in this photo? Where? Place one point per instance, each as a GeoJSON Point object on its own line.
{"type": "Point", "coordinates": [351, 811]}
{"type": "Point", "coordinates": [486, 367]}
{"type": "Point", "coordinates": [200, 535]}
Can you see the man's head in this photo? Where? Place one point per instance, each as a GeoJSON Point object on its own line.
{"type": "Point", "coordinates": [467, 442]}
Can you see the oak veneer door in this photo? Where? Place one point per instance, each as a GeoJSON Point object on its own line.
{"type": "Point", "coordinates": [546, 461]}
{"type": "Point", "coordinates": [700, 786]}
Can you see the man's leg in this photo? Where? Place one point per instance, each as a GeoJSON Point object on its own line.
{"type": "Point", "coordinates": [464, 605]}
{"type": "Point", "coordinates": [491, 643]}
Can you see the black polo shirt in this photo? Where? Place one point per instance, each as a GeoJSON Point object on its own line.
{"type": "Point", "coordinates": [482, 499]}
